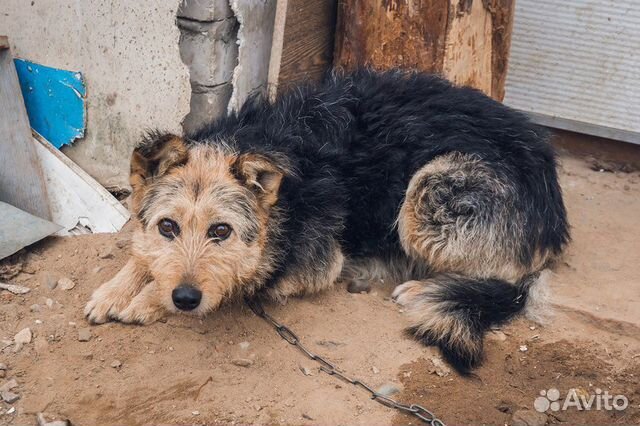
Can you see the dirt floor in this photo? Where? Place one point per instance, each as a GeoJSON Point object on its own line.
{"type": "Point", "coordinates": [183, 370]}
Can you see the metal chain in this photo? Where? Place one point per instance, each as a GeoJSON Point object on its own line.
{"type": "Point", "coordinates": [290, 337]}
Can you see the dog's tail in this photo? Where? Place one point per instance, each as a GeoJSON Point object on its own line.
{"type": "Point", "coordinates": [454, 312]}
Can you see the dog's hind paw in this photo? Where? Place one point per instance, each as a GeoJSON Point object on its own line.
{"type": "Point", "coordinates": [404, 294]}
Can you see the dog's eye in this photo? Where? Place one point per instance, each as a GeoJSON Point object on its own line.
{"type": "Point", "coordinates": [219, 232]}
{"type": "Point", "coordinates": [168, 228]}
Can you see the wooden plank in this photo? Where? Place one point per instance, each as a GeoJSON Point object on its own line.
{"type": "Point", "coordinates": [502, 14]}
{"type": "Point", "coordinates": [465, 40]}
{"type": "Point", "coordinates": [303, 42]}
{"type": "Point", "coordinates": [388, 34]}
{"type": "Point", "coordinates": [468, 48]}
{"type": "Point", "coordinates": [21, 179]}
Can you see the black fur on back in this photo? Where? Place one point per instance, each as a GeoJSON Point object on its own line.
{"type": "Point", "coordinates": [354, 141]}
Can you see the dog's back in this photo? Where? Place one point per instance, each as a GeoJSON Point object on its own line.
{"type": "Point", "coordinates": [406, 167]}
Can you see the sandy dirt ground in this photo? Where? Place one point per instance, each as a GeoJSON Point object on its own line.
{"type": "Point", "coordinates": [183, 370]}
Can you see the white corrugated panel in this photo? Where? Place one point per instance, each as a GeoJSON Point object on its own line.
{"type": "Point", "coordinates": [575, 64]}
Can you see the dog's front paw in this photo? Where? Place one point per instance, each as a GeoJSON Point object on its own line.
{"type": "Point", "coordinates": [135, 314]}
{"type": "Point", "coordinates": [144, 309]}
{"type": "Point", "coordinates": [105, 304]}
{"type": "Point", "coordinates": [405, 293]}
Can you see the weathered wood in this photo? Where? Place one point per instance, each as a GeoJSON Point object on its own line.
{"type": "Point", "coordinates": [502, 12]}
{"type": "Point", "coordinates": [468, 47]}
{"type": "Point", "coordinates": [303, 42]}
{"type": "Point", "coordinates": [386, 34]}
{"type": "Point", "coordinates": [467, 41]}
{"type": "Point", "coordinates": [21, 179]}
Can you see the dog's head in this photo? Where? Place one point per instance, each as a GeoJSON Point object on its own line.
{"type": "Point", "coordinates": [205, 214]}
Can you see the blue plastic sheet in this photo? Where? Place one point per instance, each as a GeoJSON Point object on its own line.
{"type": "Point", "coordinates": [55, 101]}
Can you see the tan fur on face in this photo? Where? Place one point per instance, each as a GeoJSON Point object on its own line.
{"type": "Point", "coordinates": [169, 150]}
{"type": "Point", "coordinates": [197, 195]}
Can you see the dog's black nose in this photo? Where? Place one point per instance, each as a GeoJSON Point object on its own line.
{"type": "Point", "coordinates": [186, 298]}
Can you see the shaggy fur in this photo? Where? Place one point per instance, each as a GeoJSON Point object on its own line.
{"type": "Point", "coordinates": [431, 184]}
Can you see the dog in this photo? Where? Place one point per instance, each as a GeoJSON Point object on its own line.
{"type": "Point", "coordinates": [398, 175]}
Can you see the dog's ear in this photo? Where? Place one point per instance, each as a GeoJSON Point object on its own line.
{"type": "Point", "coordinates": [259, 174]}
{"type": "Point", "coordinates": [152, 158]}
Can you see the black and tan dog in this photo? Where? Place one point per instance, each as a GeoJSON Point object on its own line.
{"type": "Point", "coordinates": [449, 193]}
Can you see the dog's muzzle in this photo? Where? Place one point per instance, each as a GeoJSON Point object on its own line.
{"type": "Point", "coordinates": [186, 297]}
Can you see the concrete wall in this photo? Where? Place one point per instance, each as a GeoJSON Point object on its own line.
{"type": "Point", "coordinates": [147, 64]}
{"type": "Point", "coordinates": [128, 53]}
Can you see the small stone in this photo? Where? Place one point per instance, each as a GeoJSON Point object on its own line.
{"type": "Point", "coordinates": [195, 413]}
{"type": "Point", "coordinates": [84, 334]}
{"type": "Point", "coordinates": [388, 389]}
{"type": "Point", "coordinates": [244, 345]}
{"type": "Point", "coordinates": [329, 344]}
{"type": "Point", "coordinates": [11, 410]}
{"type": "Point", "coordinates": [122, 243]}
{"type": "Point", "coordinates": [22, 338]}
{"type": "Point", "coordinates": [87, 356]}
{"type": "Point", "coordinates": [528, 418]}
{"type": "Point", "coordinates": [242, 362]}
{"type": "Point", "coordinates": [59, 423]}
{"type": "Point", "coordinates": [3, 374]}
{"type": "Point", "coordinates": [35, 308]}
{"type": "Point", "coordinates": [359, 286]}
{"type": "Point", "coordinates": [9, 397]}
{"type": "Point", "coordinates": [66, 284]}
{"type": "Point", "coordinates": [38, 321]}
{"type": "Point", "coordinates": [307, 417]}
{"type": "Point", "coordinates": [375, 370]}
{"type": "Point", "coordinates": [49, 281]}
{"type": "Point", "coordinates": [15, 289]}
{"type": "Point", "coordinates": [305, 370]}
{"type": "Point", "coordinates": [116, 364]}
{"type": "Point", "coordinates": [3, 367]}
{"type": "Point", "coordinates": [439, 367]}
{"type": "Point", "coordinates": [49, 303]}
{"type": "Point", "coordinates": [106, 253]}
{"type": "Point", "coordinates": [504, 407]}
{"type": "Point", "coordinates": [523, 348]}
{"type": "Point", "coordinates": [42, 421]}
{"type": "Point", "coordinates": [97, 269]}
{"type": "Point", "coordinates": [9, 385]}
{"type": "Point", "coordinates": [532, 327]}
{"type": "Point", "coordinates": [497, 336]}
{"type": "Point", "coordinates": [72, 323]}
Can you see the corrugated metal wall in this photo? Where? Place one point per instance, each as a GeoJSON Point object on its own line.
{"type": "Point", "coordinates": [575, 64]}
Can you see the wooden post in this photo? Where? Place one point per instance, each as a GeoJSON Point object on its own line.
{"type": "Point", "coordinates": [467, 41]}
{"type": "Point", "coordinates": [303, 41]}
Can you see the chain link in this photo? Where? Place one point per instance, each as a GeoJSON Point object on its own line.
{"type": "Point", "coordinates": [290, 337]}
